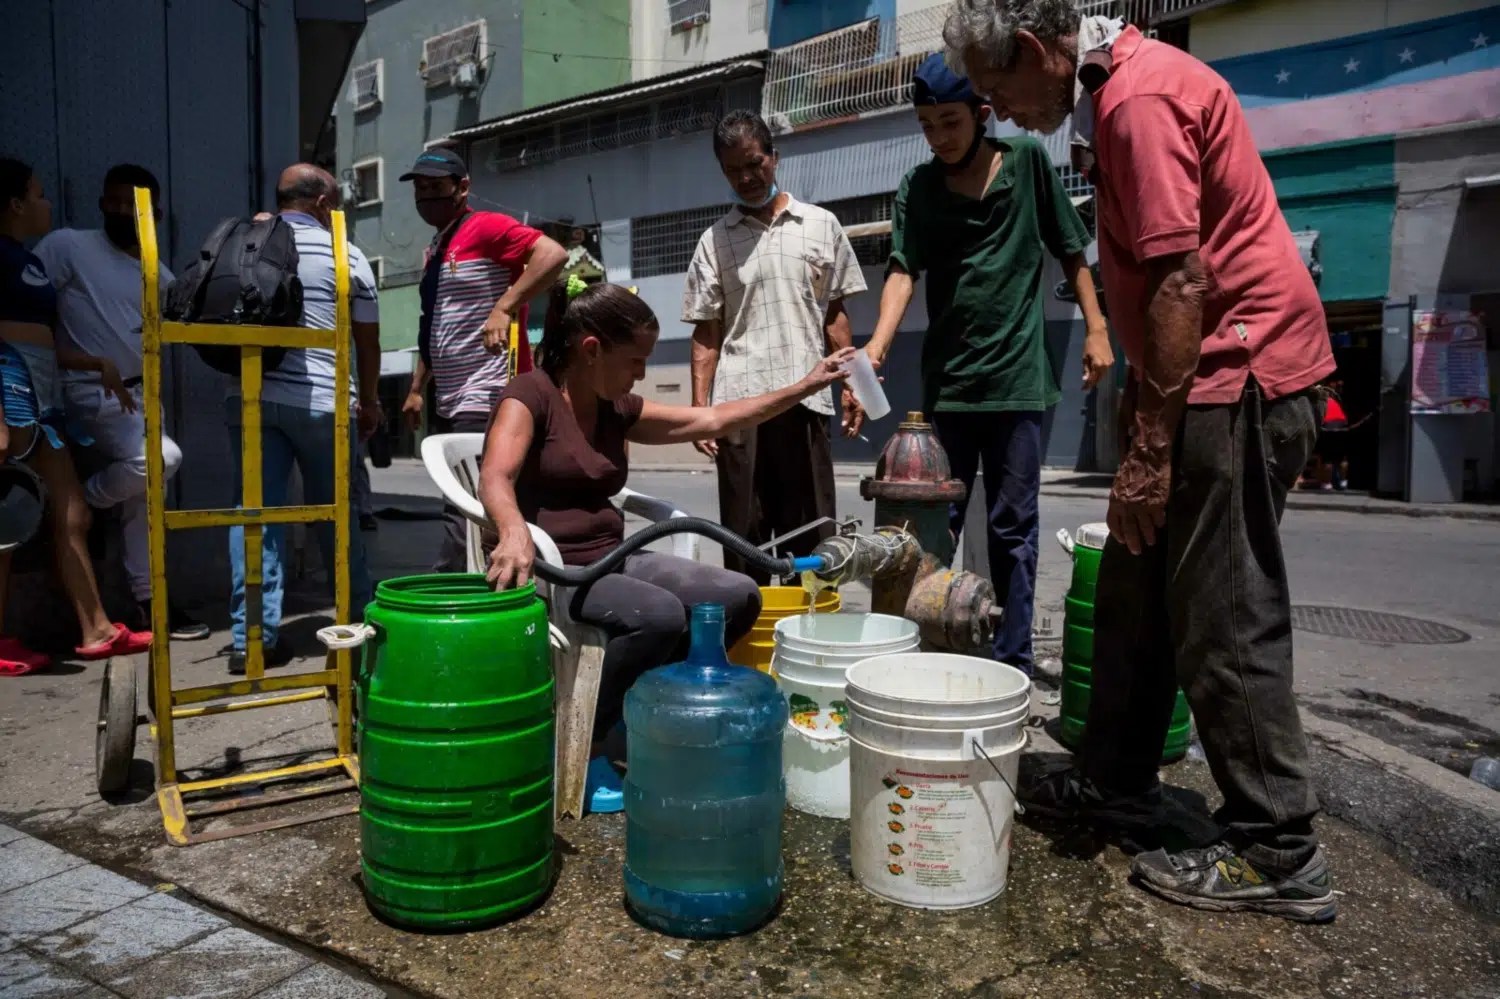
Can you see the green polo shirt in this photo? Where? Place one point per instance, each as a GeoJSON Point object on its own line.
{"type": "Point", "coordinates": [985, 348]}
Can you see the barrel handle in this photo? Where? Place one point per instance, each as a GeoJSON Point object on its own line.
{"type": "Point", "coordinates": [1065, 539]}
{"type": "Point", "coordinates": [972, 738]}
{"type": "Point", "coordinates": [345, 636]}
{"type": "Point", "coordinates": [559, 640]}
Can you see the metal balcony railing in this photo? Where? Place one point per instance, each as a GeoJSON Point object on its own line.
{"type": "Point", "coordinates": [1150, 12]}
{"type": "Point", "coordinates": [849, 72]}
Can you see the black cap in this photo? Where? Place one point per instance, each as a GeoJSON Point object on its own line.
{"type": "Point", "coordinates": [437, 162]}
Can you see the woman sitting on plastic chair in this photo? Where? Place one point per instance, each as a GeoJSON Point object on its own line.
{"type": "Point", "coordinates": [555, 453]}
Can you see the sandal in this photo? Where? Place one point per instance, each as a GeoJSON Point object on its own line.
{"type": "Point", "coordinates": [124, 643]}
{"type": "Point", "coordinates": [17, 660]}
{"type": "Point", "coordinates": [605, 791]}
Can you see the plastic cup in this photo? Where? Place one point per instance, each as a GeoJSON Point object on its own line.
{"type": "Point", "coordinates": [866, 386]}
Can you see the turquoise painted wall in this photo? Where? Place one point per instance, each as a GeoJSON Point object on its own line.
{"type": "Point", "coordinates": [1347, 192]}
{"type": "Point", "coordinates": [573, 47]}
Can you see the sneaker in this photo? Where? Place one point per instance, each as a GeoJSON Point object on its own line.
{"type": "Point", "coordinates": [605, 791]}
{"type": "Point", "coordinates": [181, 626]}
{"type": "Point", "coordinates": [1218, 879]}
{"type": "Point", "coordinates": [1070, 796]}
{"type": "Point", "coordinates": [272, 655]}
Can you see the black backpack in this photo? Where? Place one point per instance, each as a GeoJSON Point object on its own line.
{"type": "Point", "coordinates": [246, 273]}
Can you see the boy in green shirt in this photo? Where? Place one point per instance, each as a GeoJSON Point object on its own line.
{"type": "Point", "coordinates": [976, 220]}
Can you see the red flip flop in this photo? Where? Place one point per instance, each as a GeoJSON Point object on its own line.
{"type": "Point", "coordinates": [14, 667]}
{"type": "Point", "coordinates": [17, 660]}
{"type": "Point", "coordinates": [124, 643]}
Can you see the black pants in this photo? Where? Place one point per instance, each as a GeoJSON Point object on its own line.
{"type": "Point", "coordinates": [775, 478]}
{"type": "Point", "coordinates": [644, 609]}
{"type": "Point", "coordinates": [1208, 607]}
{"type": "Point", "coordinates": [1010, 445]}
{"type": "Point", "coordinates": [453, 552]}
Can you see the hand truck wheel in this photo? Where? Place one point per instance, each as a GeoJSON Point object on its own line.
{"type": "Point", "coordinates": [114, 742]}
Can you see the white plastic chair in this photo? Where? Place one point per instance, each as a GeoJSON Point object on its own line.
{"type": "Point", "coordinates": [452, 462]}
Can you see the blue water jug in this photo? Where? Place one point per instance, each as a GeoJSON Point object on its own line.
{"type": "Point", "coordinates": [704, 791]}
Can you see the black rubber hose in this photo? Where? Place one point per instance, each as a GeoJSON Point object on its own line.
{"type": "Point", "coordinates": [583, 574]}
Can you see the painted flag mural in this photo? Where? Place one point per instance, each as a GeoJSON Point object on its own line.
{"type": "Point", "coordinates": [1414, 76]}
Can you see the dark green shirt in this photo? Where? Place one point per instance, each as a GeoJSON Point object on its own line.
{"type": "Point", "coordinates": [985, 348]}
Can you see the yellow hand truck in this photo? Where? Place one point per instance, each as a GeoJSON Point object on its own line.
{"type": "Point", "coordinates": [182, 801]}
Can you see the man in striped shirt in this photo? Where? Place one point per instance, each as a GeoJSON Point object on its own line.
{"type": "Point", "coordinates": [481, 270]}
{"type": "Point", "coordinates": [297, 405]}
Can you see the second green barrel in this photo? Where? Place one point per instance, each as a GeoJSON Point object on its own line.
{"type": "Point", "coordinates": [456, 752]}
{"type": "Point", "coordinates": [1078, 648]}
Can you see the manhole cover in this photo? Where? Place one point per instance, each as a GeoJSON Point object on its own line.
{"type": "Point", "coordinates": [1374, 626]}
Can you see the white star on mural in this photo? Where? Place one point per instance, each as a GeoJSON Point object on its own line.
{"type": "Point", "coordinates": [1352, 66]}
{"type": "Point", "coordinates": [1283, 76]}
{"type": "Point", "coordinates": [1407, 55]}
{"type": "Point", "coordinates": [1480, 40]}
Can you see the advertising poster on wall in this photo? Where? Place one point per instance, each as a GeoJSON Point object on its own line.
{"type": "Point", "coordinates": [1450, 366]}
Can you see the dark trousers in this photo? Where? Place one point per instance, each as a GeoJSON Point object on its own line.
{"type": "Point", "coordinates": [453, 552]}
{"type": "Point", "coordinates": [1208, 607]}
{"type": "Point", "coordinates": [643, 609]}
{"type": "Point", "coordinates": [775, 478]}
{"type": "Point", "coordinates": [1010, 446]}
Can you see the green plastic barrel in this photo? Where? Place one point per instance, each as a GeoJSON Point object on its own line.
{"type": "Point", "coordinates": [456, 752]}
{"type": "Point", "coordinates": [1078, 648]}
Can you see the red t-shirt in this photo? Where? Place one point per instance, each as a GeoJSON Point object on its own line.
{"type": "Point", "coordinates": [484, 258]}
{"type": "Point", "coordinates": [1178, 171]}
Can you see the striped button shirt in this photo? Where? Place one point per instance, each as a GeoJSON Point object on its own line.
{"type": "Point", "coordinates": [482, 259]}
{"type": "Point", "coordinates": [304, 378]}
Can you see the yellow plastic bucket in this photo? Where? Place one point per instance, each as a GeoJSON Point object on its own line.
{"type": "Point", "coordinates": [776, 603]}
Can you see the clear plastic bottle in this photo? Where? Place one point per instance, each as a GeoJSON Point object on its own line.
{"type": "Point", "coordinates": [704, 791]}
{"type": "Point", "coordinates": [1486, 771]}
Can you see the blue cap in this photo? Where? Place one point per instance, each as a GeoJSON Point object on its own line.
{"type": "Point", "coordinates": [935, 83]}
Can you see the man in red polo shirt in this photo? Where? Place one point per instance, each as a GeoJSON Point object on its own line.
{"type": "Point", "coordinates": [480, 271]}
{"type": "Point", "coordinates": [1226, 341]}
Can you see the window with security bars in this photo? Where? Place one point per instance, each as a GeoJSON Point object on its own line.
{"type": "Point", "coordinates": [617, 128]}
{"type": "Point", "coordinates": [684, 15]}
{"type": "Point", "coordinates": [874, 249]}
{"type": "Point", "coordinates": [664, 244]}
{"type": "Point", "coordinates": [442, 54]}
{"type": "Point", "coordinates": [365, 82]}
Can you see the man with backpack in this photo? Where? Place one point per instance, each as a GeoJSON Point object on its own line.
{"type": "Point", "coordinates": [97, 273]}
{"type": "Point", "coordinates": [481, 270]}
{"type": "Point", "coordinates": [298, 397]}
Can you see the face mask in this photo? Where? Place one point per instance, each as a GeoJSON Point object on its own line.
{"type": "Point", "coordinates": [121, 230]}
{"type": "Point", "coordinates": [770, 197]}
{"type": "Point", "coordinates": [973, 150]}
{"type": "Point", "coordinates": [440, 210]}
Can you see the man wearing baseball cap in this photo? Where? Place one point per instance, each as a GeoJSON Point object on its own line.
{"type": "Point", "coordinates": [480, 271]}
{"type": "Point", "coordinates": [977, 219]}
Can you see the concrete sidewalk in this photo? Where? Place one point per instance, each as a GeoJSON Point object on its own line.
{"type": "Point", "coordinates": [71, 928]}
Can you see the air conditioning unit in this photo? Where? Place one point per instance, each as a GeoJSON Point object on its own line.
{"type": "Point", "coordinates": [466, 77]}
{"type": "Point", "coordinates": [349, 193]}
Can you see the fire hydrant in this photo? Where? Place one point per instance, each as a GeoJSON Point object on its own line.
{"type": "Point", "coordinates": [913, 489]}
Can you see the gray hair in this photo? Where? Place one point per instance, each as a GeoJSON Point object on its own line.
{"type": "Point", "coordinates": [988, 27]}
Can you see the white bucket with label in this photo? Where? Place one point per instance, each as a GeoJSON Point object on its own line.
{"type": "Point", "coordinates": [813, 652]}
{"type": "Point", "coordinates": [935, 744]}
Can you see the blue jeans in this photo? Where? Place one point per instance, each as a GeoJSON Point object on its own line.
{"type": "Point", "coordinates": [1010, 445]}
{"type": "Point", "coordinates": [288, 434]}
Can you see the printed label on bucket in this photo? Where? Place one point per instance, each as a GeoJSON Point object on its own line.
{"type": "Point", "coordinates": [817, 720]}
{"type": "Point", "coordinates": [929, 834]}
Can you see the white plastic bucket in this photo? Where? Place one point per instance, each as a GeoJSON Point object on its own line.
{"type": "Point", "coordinates": [935, 746]}
{"type": "Point", "coordinates": [813, 652]}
